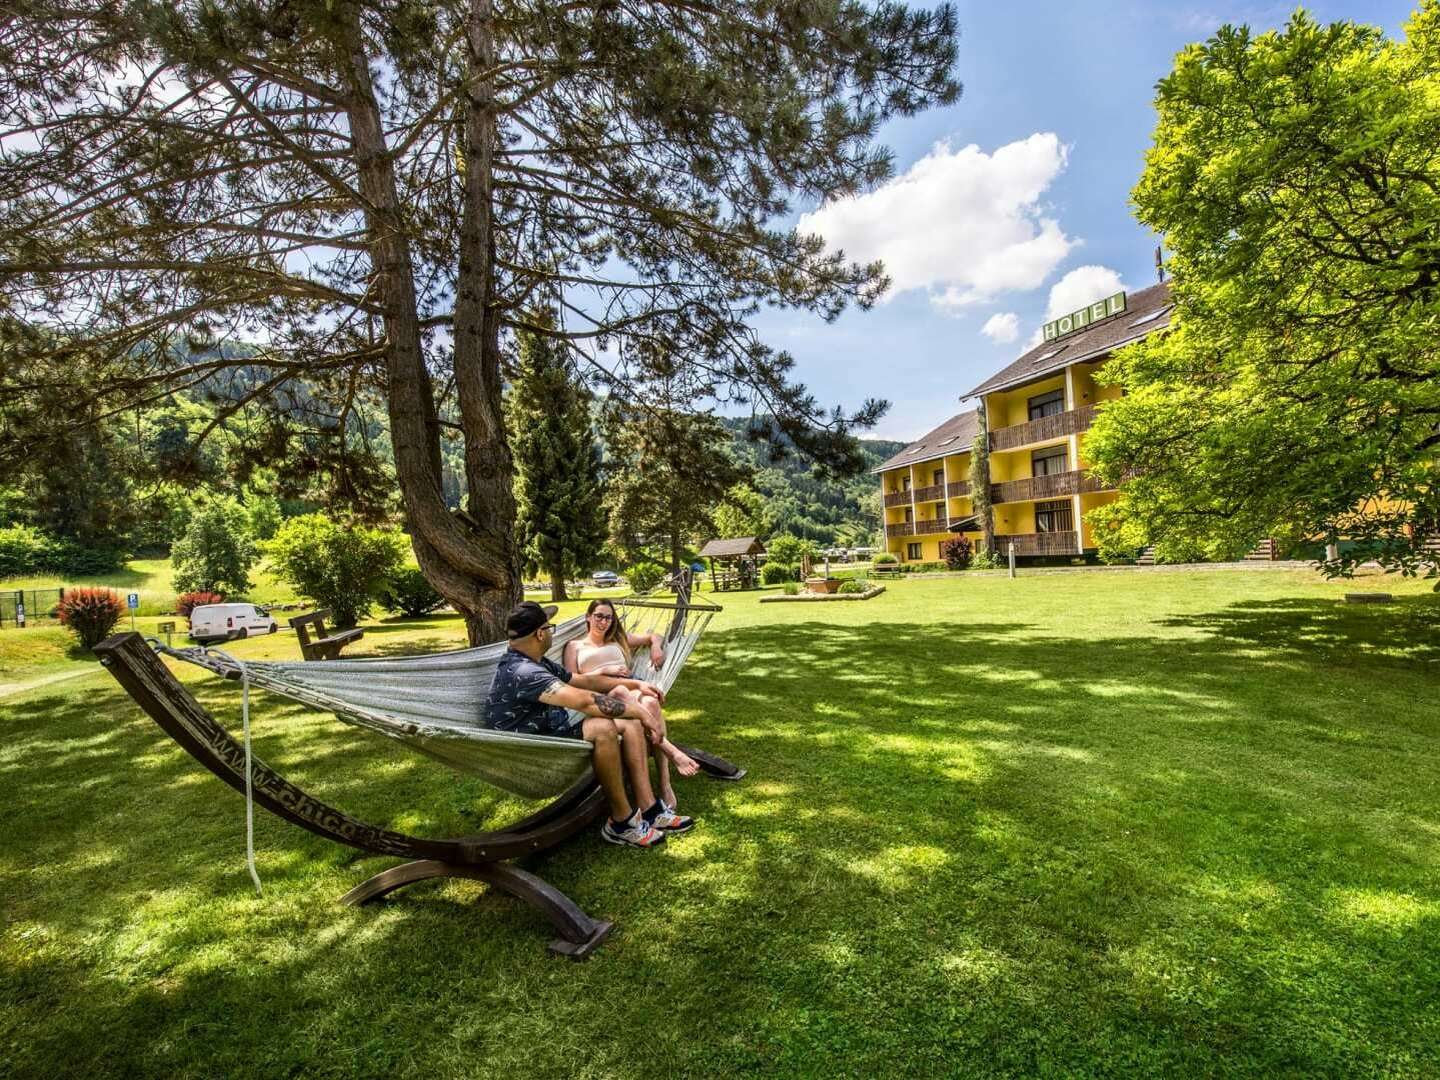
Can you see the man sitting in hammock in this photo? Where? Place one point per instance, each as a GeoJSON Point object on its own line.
{"type": "Point", "coordinates": [531, 694]}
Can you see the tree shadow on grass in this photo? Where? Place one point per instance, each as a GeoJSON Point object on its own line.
{"type": "Point", "coordinates": [960, 848]}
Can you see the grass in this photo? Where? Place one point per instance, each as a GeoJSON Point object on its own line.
{"type": "Point", "coordinates": [1119, 823]}
{"type": "Point", "coordinates": [151, 579]}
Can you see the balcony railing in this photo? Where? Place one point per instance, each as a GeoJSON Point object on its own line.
{"type": "Point", "coordinates": [930, 493]}
{"type": "Point", "coordinates": [958, 490]}
{"type": "Point", "coordinates": [931, 525]}
{"type": "Point", "coordinates": [1054, 486]}
{"type": "Point", "coordinates": [1044, 429]}
{"type": "Point", "coordinates": [1052, 543]}
{"type": "Point", "coordinates": [897, 498]}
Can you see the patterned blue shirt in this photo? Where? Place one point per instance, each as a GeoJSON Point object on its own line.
{"type": "Point", "coordinates": [514, 703]}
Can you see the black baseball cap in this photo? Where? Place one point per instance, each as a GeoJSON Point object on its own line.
{"type": "Point", "coordinates": [527, 617]}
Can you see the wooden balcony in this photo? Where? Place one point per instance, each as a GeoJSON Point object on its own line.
{"type": "Point", "coordinates": [1045, 429]}
{"type": "Point", "coordinates": [931, 525]}
{"type": "Point", "coordinates": [1053, 543]}
{"type": "Point", "coordinates": [958, 490]}
{"type": "Point", "coordinates": [905, 528]}
{"type": "Point", "coordinates": [1054, 486]}
{"type": "Point", "coordinates": [897, 498]}
{"type": "Point", "coordinates": [930, 493]}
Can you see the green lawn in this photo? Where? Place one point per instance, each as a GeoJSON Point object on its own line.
{"type": "Point", "coordinates": [151, 579]}
{"type": "Point", "coordinates": [1109, 823]}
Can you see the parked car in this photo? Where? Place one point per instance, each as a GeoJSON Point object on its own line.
{"type": "Point", "coordinates": [226, 622]}
{"type": "Point", "coordinates": [605, 579]}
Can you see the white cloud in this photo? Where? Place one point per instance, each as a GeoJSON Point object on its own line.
{"type": "Point", "coordinates": [1002, 328]}
{"type": "Point", "coordinates": [962, 224]}
{"type": "Point", "coordinates": [1081, 286]}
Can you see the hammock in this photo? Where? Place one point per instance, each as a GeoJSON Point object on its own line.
{"type": "Point", "coordinates": [434, 704]}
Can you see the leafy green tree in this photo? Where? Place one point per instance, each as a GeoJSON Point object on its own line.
{"type": "Point", "coordinates": [438, 166]}
{"type": "Point", "coordinates": [216, 552]}
{"type": "Point", "coordinates": [262, 516]}
{"type": "Point", "coordinates": [666, 471]}
{"type": "Point", "coordinates": [742, 512]}
{"type": "Point", "coordinates": [1296, 179]}
{"type": "Point", "coordinates": [788, 549]}
{"type": "Point", "coordinates": [339, 566]}
{"type": "Point", "coordinates": [410, 593]}
{"type": "Point", "coordinates": [560, 523]}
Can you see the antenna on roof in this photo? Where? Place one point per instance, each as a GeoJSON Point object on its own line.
{"type": "Point", "coordinates": [1159, 264]}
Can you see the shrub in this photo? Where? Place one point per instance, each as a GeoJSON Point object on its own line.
{"type": "Point", "coordinates": [956, 552]}
{"type": "Point", "coordinates": [786, 549]}
{"type": "Point", "coordinates": [90, 614]}
{"type": "Point", "coordinates": [644, 576]}
{"type": "Point", "coordinates": [851, 586]}
{"type": "Point", "coordinates": [338, 566]}
{"type": "Point", "coordinates": [791, 588]}
{"type": "Point", "coordinates": [922, 567]}
{"type": "Point", "coordinates": [24, 550]}
{"type": "Point", "coordinates": [775, 573]}
{"type": "Point", "coordinates": [185, 603]}
{"type": "Point", "coordinates": [985, 560]}
{"type": "Point", "coordinates": [73, 559]}
{"type": "Point", "coordinates": [885, 558]}
{"type": "Point", "coordinates": [216, 552]}
{"type": "Point", "coordinates": [410, 593]}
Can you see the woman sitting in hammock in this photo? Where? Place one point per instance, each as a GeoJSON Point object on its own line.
{"type": "Point", "coordinates": [606, 649]}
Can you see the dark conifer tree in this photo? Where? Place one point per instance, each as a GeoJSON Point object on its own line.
{"type": "Point", "coordinates": [375, 193]}
{"type": "Point", "coordinates": [559, 520]}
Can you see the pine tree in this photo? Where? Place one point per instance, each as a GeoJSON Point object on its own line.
{"type": "Point", "coordinates": [559, 521]}
{"type": "Point", "coordinates": [384, 189]}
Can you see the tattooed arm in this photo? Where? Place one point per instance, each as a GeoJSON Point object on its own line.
{"type": "Point", "coordinates": [589, 702]}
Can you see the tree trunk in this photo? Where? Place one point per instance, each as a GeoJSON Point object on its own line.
{"type": "Point", "coordinates": [557, 581]}
{"type": "Point", "coordinates": [475, 567]}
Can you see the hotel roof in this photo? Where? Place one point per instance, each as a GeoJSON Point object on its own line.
{"type": "Point", "coordinates": [1145, 312]}
{"type": "Point", "coordinates": [954, 436]}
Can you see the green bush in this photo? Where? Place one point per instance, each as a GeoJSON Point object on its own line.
{"type": "Point", "coordinates": [851, 586]}
{"type": "Point", "coordinates": [338, 566]}
{"type": "Point", "coordinates": [985, 560]}
{"type": "Point", "coordinates": [72, 559]}
{"type": "Point", "coordinates": [24, 550]}
{"type": "Point", "coordinates": [216, 552]}
{"type": "Point", "coordinates": [922, 568]}
{"type": "Point", "coordinates": [787, 549]}
{"type": "Point", "coordinates": [411, 593]}
{"type": "Point", "coordinates": [90, 614]}
{"type": "Point", "coordinates": [885, 558]}
{"type": "Point", "coordinates": [791, 588]}
{"type": "Point", "coordinates": [644, 576]}
{"type": "Point", "coordinates": [775, 573]}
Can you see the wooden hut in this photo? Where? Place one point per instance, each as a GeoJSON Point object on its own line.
{"type": "Point", "coordinates": [734, 563]}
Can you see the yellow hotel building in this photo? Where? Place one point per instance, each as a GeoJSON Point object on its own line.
{"type": "Point", "coordinates": [1038, 410]}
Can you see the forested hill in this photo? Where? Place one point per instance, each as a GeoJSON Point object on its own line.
{"type": "Point", "coordinates": [827, 511]}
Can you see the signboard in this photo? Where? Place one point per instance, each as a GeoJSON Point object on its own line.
{"type": "Point", "coordinates": [1077, 320]}
{"type": "Point", "coordinates": [132, 601]}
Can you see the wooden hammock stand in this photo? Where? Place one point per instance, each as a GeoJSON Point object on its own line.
{"type": "Point", "coordinates": [483, 857]}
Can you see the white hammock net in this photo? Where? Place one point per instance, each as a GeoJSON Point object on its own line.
{"type": "Point", "coordinates": [435, 704]}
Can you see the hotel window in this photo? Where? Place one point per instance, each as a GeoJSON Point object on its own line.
{"type": "Point", "coordinates": [1052, 517]}
{"type": "Point", "coordinates": [1047, 404]}
{"type": "Point", "coordinates": [909, 514]}
{"type": "Point", "coordinates": [940, 511]}
{"type": "Point", "coordinates": [912, 551]}
{"type": "Point", "coordinates": [938, 476]}
{"type": "Point", "coordinates": [1048, 462]}
{"type": "Point", "coordinates": [905, 482]}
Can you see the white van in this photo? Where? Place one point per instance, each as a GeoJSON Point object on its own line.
{"type": "Point", "coordinates": [226, 622]}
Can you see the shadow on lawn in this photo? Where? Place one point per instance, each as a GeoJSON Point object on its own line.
{"type": "Point", "coordinates": [959, 844]}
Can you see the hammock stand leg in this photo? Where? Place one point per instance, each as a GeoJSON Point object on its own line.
{"type": "Point", "coordinates": [156, 690]}
{"type": "Point", "coordinates": [713, 765]}
{"type": "Point", "coordinates": [580, 935]}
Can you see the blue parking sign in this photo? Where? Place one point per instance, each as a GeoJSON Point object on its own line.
{"type": "Point", "coordinates": [132, 601]}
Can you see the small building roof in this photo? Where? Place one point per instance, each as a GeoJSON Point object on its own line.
{"type": "Point", "coordinates": [954, 436]}
{"type": "Point", "coordinates": [1145, 312]}
{"type": "Point", "coordinates": [742, 545]}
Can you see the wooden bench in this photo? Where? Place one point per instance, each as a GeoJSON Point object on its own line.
{"type": "Point", "coordinates": [323, 646]}
{"type": "Point", "coordinates": [886, 569]}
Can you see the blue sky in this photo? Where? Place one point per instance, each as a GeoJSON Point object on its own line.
{"type": "Point", "coordinates": [1018, 191]}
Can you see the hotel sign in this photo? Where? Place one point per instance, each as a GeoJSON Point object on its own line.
{"type": "Point", "coordinates": [1076, 320]}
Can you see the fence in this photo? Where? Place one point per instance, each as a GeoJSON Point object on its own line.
{"type": "Point", "coordinates": [37, 606]}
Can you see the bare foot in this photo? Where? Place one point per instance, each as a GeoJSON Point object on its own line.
{"type": "Point", "coordinates": [687, 765]}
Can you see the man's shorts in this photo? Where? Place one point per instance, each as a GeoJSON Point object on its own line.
{"type": "Point", "coordinates": [557, 723]}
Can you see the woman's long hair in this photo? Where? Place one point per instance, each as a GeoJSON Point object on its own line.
{"type": "Point", "coordinates": [616, 634]}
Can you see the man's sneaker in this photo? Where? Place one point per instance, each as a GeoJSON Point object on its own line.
{"type": "Point", "coordinates": [635, 831]}
{"type": "Point", "coordinates": [667, 820]}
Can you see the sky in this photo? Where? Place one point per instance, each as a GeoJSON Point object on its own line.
{"type": "Point", "coordinates": [1012, 205]}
